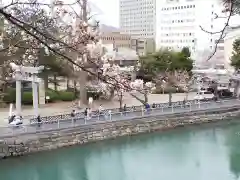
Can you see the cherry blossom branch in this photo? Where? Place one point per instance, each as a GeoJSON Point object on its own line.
{"type": "Point", "coordinates": [20, 24]}
{"type": "Point", "coordinates": [56, 3]}
{"type": "Point", "coordinates": [47, 40]}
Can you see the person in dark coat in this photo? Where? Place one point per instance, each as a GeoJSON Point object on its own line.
{"type": "Point", "coordinates": [39, 121]}
{"type": "Point", "coordinates": [154, 106]}
{"type": "Point", "coordinates": [125, 109]}
{"type": "Point", "coordinates": [147, 106]}
{"type": "Point", "coordinates": [11, 118]}
{"type": "Point", "coordinates": [86, 113]}
{"type": "Point", "coordinates": [73, 114]}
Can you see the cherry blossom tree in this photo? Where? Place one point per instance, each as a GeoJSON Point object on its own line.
{"type": "Point", "coordinates": [67, 32]}
{"type": "Point", "coordinates": [145, 88]}
{"type": "Point", "coordinates": [61, 30]}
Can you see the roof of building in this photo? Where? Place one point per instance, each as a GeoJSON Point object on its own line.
{"type": "Point", "coordinates": [122, 53]}
{"type": "Point", "coordinates": [106, 28]}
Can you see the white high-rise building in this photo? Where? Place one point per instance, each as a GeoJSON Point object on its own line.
{"type": "Point", "coordinates": [175, 24]}
{"type": "Point", "coordinates": [179, 21]}
{"type": "Point", "coordinates": [138, 18]}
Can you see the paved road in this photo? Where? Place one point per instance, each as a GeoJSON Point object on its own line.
{"type": "Point", "coordinates": [114, 117]}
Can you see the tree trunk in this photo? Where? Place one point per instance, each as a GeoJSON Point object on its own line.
{"type": "Point", "coordinates": [145, 97]}
{"type": "Point", "coordinates": [170, 98]}
{"type": "Point", "coordinates": [55, 82]}
{"type": "Point", "coordinates": [45, 78]}
{"type": "Point", "coordinates": [67, 83]}
{"type": "Point", "coordinates": [186, 96]}
{"type": "Point", "coordinates": [236, 88]}
{"type": "Point", "coordinates": [120, 101]}
{"type": "Point", "coordinates": [83, 89]}
{"type": "Point", "coordinates": [111, 94]}
{"type": "Point", "coordinates": [133, 76]}
{"type": "Point", "coordinates": [75, 87]}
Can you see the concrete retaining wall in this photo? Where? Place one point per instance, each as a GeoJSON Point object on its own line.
{"type": "Point", "coordinates": [49, 140]}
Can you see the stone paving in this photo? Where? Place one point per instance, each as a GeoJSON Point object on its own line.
{"type": "Point", "coordinates": [66, 107]}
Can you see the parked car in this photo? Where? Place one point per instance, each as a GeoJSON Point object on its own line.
{"type": "Point", "coordinates": [225, 93]}
{"type": "Point", "coordinates": [204, 95]}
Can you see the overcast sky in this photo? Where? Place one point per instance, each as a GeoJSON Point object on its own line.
{"type": "Point", "coordinates": [109, 11]}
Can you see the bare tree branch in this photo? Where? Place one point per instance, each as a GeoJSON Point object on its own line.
{"type": "Point", "coordinates": [222, 32]}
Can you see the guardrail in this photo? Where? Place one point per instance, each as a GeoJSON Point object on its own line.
{"type": "Point", "coordinates": [108, 117]}
{"type": "Point", "coordinates": [55, 118]}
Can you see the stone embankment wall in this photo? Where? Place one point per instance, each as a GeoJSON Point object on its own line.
{"type": "Point", "coordinates": [49, 140]}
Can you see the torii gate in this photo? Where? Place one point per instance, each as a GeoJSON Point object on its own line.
{"type": "Point", "coordinates": [23, 73]}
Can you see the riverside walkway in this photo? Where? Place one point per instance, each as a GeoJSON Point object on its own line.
{"type": "Point", "coordinates": [117, 116]}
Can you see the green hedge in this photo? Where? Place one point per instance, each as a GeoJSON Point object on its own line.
{"type": "Point", "coordinates": [66, 96]}
{"type": "Point", "coordinates": [10, 96]}
{"type": "Point", "coordinates": [53, 95]}
{"type": "Point", "coordinates": [27, 98]}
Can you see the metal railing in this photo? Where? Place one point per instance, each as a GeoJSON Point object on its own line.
{"type": "Point", "coordinates": [110, 117]}
{"type": "Point", "coordinates": [55, 118]}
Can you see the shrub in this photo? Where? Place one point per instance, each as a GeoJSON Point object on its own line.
{"type": "Point", "coordinates": [10, 95]}
{"type": "Point", "coordinates": [75, 91]}
{"type": "Point", "coordinates": [27, 98]}
{"type": "Point", "coordinates": [66, 96]}
{"type": "Point", "coordinates": [53, 95]}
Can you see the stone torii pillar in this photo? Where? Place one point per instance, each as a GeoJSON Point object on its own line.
{"type": "Point", "coordinates": [22, 73]}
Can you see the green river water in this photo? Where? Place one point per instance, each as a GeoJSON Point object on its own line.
{"type": "Point", "coordinates": [199, 153]}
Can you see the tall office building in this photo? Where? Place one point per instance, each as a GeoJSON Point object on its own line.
{"type": "Point", "coordinates": [179, 21]}
{"type": "Point", "coordinates": [174, 24]}
{"type": "Point", "coordinates": [138, 18]}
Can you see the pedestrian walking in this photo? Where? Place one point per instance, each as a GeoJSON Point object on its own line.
{"type": "Point", "coordinates": [184, 102]}
{"type": "Point", "coordinates": [85, 115]}
{"type": "Point", "coordinates": [39, 121]}
{"type": "Point", "coordinates": [11, 118]}
{"type": "Point", "coordinates": [73, 114]}
{"type": "Point", "coordinates": [88, 113]}
{"type": "Point", "coordinates": [125, 109]}
{"type": "Point", "coordinates": [100, 111]}
{"type": "Point", "coordinates": [154, 106]}
{"type": "Point", "coordinates": [147, 106]}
